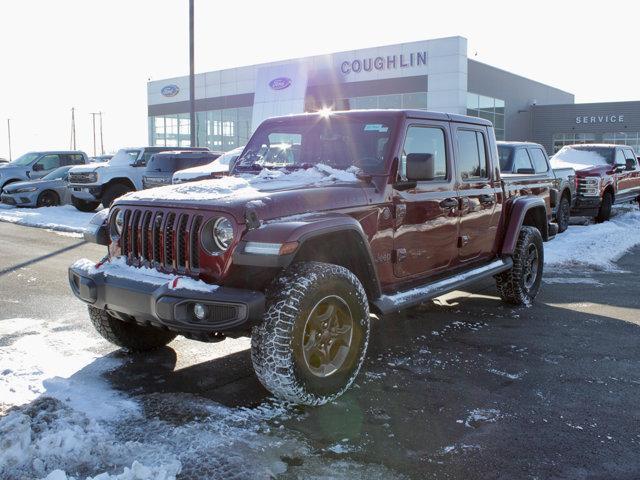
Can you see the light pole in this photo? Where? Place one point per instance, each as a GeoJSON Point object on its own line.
{"type": "Point", "coordinates": [192, 82]}
{"type": "Point", "coordinates": [93, 120]}
{"type": "Point", "coordinates": [101, 139]}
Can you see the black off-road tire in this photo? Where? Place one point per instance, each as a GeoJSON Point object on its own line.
{"type": "Point", "coordinates": [604, 214]}
{"type": "Point", "coordinates": [564, 214]}
{"type": "Point", "coordinates": [84, 205]}
{"type": "Point", "coordinates": [277, 343]}
{"type": "Point", "coordinates": [131, 336]}
{"type": "Point", "coordinates": [48, 198]}
{"type": "Point", "coordinates": [113, 192]}
{"type": "Point", "coordinates": [512, 284]}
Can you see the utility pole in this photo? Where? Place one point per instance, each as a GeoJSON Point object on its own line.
{"type": "Point", "coordinates": [101, 139]}
{"type": "Point", "coordinates": [93, 119]}
{"type": "Point", "coordinates": [9, 134]}
{"type": "Point", "coordinates": [73, 128]}
{"type": "Point", "coordinates": [192, 82]}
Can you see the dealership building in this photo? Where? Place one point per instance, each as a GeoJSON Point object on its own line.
{"type": "Point", "coordinates": [432, 74]}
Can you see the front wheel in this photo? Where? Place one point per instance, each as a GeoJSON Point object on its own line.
{"type": "Point", "coordinates": [48, 198]}
{"type": "Point", "coordinates": [131, 336]}
{"type": "Point", "coordinates": [520, 284]}
{"type": "Point", "coordinates": [564, 214]}
{"type": "Point", "coordinates": [114, 192]}
{"type": "Point", "coordinates": [313, 339]}
{"type": "Point", "coordinates": [604, 214]}
{"type": "Point", "coordinates": [84, 205]}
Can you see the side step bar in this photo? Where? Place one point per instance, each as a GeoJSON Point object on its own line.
{"type": "Point", "coordinates": [417, 295]}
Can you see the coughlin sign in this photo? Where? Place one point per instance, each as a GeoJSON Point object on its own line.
{"type": "Point", "coordinates": [600, 119]}
{"type": "Point", "coordinates": [389, 62]}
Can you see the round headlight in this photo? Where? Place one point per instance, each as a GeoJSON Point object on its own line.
{"type": "Point", "coordinates": [119, 222]}
{"type": "Point", "coordinates": [223, 233]}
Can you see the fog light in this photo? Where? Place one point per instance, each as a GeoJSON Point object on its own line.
{"type": "Point", "coordinates": [200, 311]}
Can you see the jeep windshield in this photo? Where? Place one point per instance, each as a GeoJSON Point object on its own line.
{"type": "Point", "coordinates": [337, 140]}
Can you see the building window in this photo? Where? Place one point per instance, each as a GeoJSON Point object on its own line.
{"type": "Point", "coordinates": [631, 139]}
{"type": "Point", "coordinates": [223, 129]}
{"type": "Point", "coordinates": [489, 108]}
{"type": "Point", "coordinates": [414, 100]}
{"type": "Point", "coordinates": [562, 139]}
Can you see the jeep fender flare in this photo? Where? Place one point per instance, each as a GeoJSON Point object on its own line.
{"type": "Point", "coordinates": [524, 211]}
{"type": "Point", "coordinates": [304, 232]}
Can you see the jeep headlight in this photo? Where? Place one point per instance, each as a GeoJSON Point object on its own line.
{"type": "Point", "coordinates": [118, 222]}
{"type": "Point", "coordinates": [217, 235]}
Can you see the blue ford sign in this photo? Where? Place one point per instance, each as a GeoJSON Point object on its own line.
{"type": "Point", "coordinates": [280, 83]}
{"type": "Point", "coordinates": [170, 90]}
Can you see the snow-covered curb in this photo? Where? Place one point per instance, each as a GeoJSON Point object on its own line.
{"type": "Point", "coordinates": [598, 246]}
{"type": "Point", "coordinates": [65, 218]}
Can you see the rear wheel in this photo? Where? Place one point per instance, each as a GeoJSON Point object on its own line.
{"type": "Point", "coordinates": [84, 205]}
{"type": "Point", "coordinates": [604, 213]}
{"type": "Point", "coordinates": [48, 198]}
{"type": "Point", "coordinates": [113, 192]}
{"type": "Point", "coordinates": [313, 339]}
{"type": "Point", "coordinates": [564, 214]}
{"type": "Point", "coordinates": [131, 336]}
{"type": "Point", "coordinates": [520, 284]}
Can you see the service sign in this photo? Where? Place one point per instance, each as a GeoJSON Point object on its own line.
{"type": "Point", "coordinates": [170, 90]}
{"type": "Point", "coordinates": [611, 118]}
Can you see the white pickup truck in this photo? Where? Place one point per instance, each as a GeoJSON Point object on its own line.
{"type": "Point", "coordinates": [103, 182]}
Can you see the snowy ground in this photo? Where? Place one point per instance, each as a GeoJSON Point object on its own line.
{"type": "Point", "coordinates": [65, 218]}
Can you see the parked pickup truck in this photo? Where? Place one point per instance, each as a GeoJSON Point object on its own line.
{"type": "Point", "coordinates": [379, 210]}
{"type": "Point", "coordinates": [607, 174]}
{"type": "Point", "coordinates": [103, 182]}
{"type": "Point", "coordinates": [526, 158]}
{"type": "Point", "coordinates": [162, 166]}
{"type": "Point", "coordinates": [35, 165]}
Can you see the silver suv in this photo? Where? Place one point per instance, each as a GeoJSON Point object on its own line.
{"type": "Point", "coordinates": [34, 165]}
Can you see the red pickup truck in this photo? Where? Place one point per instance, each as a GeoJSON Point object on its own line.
{"type": "Point", "coordinates": [373, 212]}
{"type": "Point", "coordinates": [606, 175]}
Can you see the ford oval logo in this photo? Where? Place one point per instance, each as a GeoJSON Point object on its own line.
{"type": "Point", "coordinates": [280, 83]}
{"type": "Point", "coordinates": [170, 90]}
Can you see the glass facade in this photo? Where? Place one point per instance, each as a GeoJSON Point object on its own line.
{"type": "Point", "coordinates": [562, 139]}
{"type": "Point", "coordinates": [631, 139]}
{"type": "Point", "coordinates": [223, 129]}
{"type": "Point", "coordinates": [489, 108]}
{"type": "Point", "coordinates": [413, 100]}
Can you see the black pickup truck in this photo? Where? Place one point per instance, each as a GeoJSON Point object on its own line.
{"type": "Point", "coordinates": [530, 159]}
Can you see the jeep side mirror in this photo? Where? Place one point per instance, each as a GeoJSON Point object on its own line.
{"type": "Point", "coordinates": [526, 171]}
{"type": "Point", "coordinates": [38, 167]}
{"type": "Point", "coordinates": [420, 166]}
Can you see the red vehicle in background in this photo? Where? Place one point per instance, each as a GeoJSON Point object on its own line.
{"type": "Point", "coordinates": [606, 175]}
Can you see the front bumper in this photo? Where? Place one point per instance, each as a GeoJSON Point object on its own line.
{"type": "Point", "coordinates": [89, 193]}
{"type": "Point", "coordinates": [229, 309]}
{"type": "Point", "coordinates": [586, 206]}
{"type": "Point", "coordinates": [19, 199]}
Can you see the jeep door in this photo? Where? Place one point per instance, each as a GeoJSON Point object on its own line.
{"type": "Point", "coordinates": [479, 191]}
{"type": "Point", "coordinates": [426, 223]}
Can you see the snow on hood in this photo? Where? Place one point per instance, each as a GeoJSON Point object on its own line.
{"type": "Point", "coordinates": [247, 186]}
{"type": "Point", "coordinates": [195, 172]}
{"type": "Point", "coordinates": [89, 167]}
{"type": "Point", "coordinates": [577, 159]}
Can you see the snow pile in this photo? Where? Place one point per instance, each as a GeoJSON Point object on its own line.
{"type": "Point", "coordinates": [219, 165]}
{"type": "Point", "coordinates": [598, 245]}
{"type": "Point", "coordinates": [118, 268]}
{"type": "Point", "coordinates": [246, 186]}
{"type": "Point", "coordinates": [577, 159]}
{"type": "Point", "coordinates": [65, 218]}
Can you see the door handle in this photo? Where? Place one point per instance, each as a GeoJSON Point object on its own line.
{"type": "Point", "coordinates": [487, 199]}
{"type": "Point", "coordinates": [449, 203]}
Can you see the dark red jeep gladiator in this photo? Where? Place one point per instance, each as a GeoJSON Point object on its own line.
{"type": "Point", "coordinates": [606, 175]}
{"type": "Point", "coordinates": [373, 212]}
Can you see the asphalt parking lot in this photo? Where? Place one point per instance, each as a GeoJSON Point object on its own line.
{"type": "Point", "coordinates": [463, 387]}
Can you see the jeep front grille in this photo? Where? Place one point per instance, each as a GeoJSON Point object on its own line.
{"type": "Point", "coordinates": [167, 241]}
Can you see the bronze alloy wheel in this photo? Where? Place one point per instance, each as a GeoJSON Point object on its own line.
{"type": "Point", "coordinates": [531, 266]}
{"type": "Point", "coordinates": [328, 333]}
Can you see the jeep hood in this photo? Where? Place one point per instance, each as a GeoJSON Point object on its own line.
{"type": "Point", "coordinates": [89, 167]}
{"type": "Point", "coordinates": [271, 193]}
